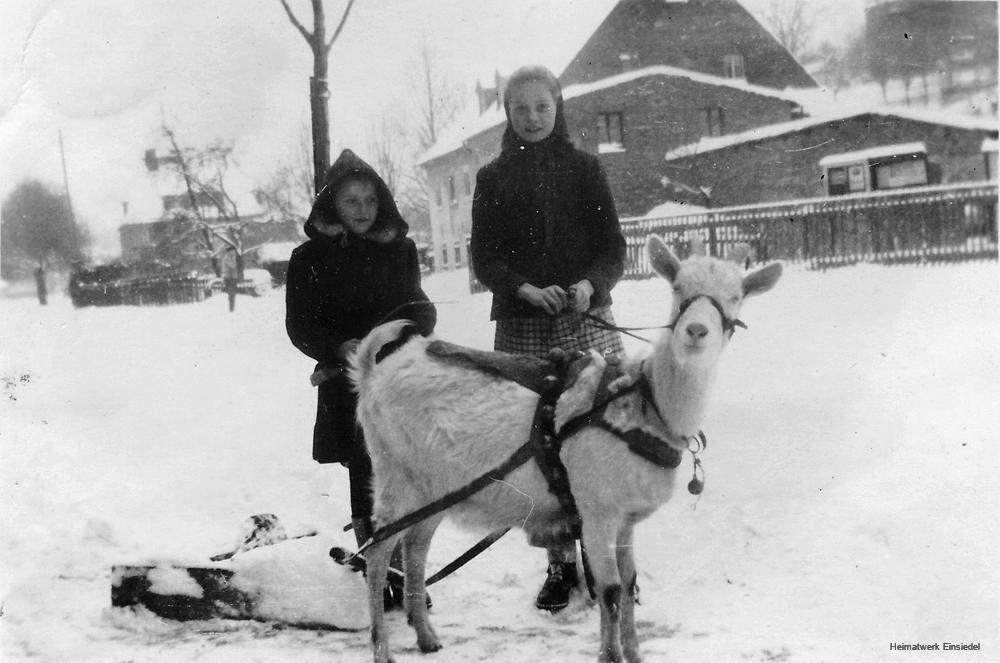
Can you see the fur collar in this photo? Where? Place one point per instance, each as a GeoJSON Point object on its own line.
{"type": "Point", "coordinates": [382, 235]}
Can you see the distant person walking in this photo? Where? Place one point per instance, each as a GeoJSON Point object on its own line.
{"type": "Point", "coordinates": [40, 286]}
{"type": "Point", "coordinates": [547, 242]}
{"type": "Point", "coordinates": [230, 279]}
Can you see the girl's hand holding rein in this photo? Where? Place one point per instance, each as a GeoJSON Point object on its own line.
{"type": "Point", "coordinates": [579, 296]}
{"type": "Point", "coordinates": [552, 299]}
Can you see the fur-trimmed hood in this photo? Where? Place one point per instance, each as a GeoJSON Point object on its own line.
{"type": "Point", "coordinates": [389, 224]}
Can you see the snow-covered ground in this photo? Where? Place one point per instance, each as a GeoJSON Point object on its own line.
{"type": "Point", "coordinates": [851, 497]}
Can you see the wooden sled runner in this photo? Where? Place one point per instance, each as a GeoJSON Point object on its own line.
{"type": "Point", "coordinates": [287, 580]}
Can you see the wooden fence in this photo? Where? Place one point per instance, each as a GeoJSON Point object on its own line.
{"type": "Point", "coordinates": [927, 224]}
{"type": "Point", "coordinates": [153, 291]}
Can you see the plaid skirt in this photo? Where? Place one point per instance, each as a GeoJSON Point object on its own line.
{"type": "Point", "coordinates": [569, 331]}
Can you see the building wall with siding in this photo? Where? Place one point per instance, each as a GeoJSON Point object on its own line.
{"type": "Point", "coordinates": [787, 166]}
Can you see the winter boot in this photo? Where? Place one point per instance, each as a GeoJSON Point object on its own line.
{"type": "Point", "coordinates": [559, 583]}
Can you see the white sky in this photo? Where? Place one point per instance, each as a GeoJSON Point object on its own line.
{"type": "Point", "coordinates": [107, 72]}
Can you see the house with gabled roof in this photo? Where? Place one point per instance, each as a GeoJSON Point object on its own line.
{"type": "Point", "coordinates": [655, 75]}
{"type": "Point", "coordinates": [840, 152]}
{"type": "Point", "coordinates": [715, 37]}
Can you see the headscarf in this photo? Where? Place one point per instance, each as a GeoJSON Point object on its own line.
{"type": "Point", "coordinates": [511, 143]}
{"type": "Point", "coordinates": [389, 224]}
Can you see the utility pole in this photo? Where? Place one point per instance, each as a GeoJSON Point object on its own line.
{"type": "Point", "coordinates": [69, 201]}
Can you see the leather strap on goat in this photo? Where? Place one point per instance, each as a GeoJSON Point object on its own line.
{"type": "Point", "coordinates": [523, 454]}
{"type": "Point", "coordinates": [541, 446]}
{"type": "Point", "coordinates": [546, 444]}
{"type": "Point", "coordinates": [643, 444]}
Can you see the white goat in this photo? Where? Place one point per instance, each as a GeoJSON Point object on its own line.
{"type": "Point", "coordinates": [432, 426]}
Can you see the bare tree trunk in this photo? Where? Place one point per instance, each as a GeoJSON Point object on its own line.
{"type": "Point", "coordinates": [319, 92]}
{"type": "Point", "coordinates": [319, 95]}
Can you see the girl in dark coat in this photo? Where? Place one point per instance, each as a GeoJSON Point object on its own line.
{"type": "Point", "coordinates": [546, 241]}
{"type": "Point", "coordinates": [357, 270]}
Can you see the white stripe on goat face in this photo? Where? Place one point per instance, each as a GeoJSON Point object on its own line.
{"type": "Point", "coordinates": [701, 325]}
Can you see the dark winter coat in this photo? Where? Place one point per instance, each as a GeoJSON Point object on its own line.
{"type": "Point", "coordinates": [342, 287]}
{"type": "Point", "coordinates": [543, 214]}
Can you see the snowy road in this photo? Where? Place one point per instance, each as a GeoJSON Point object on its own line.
{"type": "Point", "coordinates": [851, 498]}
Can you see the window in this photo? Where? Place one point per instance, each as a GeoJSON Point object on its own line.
{"type": "Point", "coordinates": [845, 179]}
{"type": "Point", "coordinates": [909, 172]}
{"type": "Point", "coordinates": [437, 196]}
{"type": "Point", "coordinates": [468, 182]}
{"type": "Point", "coordinates": [714, 123]}
{"type": "Point", "coordinates": [451, 188]}
{"type": "Point", "coordinates": [732, 66]}
{"type": "Point", "coordinates": [609, 133]}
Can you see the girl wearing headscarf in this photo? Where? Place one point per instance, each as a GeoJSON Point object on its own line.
{"type": "Point", "coordinates": [547, 242]}
{"type": "Point", "coordinates": [357, 270]}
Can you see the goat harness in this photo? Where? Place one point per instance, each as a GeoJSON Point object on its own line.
{"type": "Point", "coordinates": [544, 443]}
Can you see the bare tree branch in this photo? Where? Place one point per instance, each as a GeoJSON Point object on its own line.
{"type": "Point", "coordinates": [295, 22]}
{"type": "Point", "coordinates": [788, 21]}
{"type": "Point", "coordinates": [203, 173]}
{"type": "Point", "coordinates": [340, 26]}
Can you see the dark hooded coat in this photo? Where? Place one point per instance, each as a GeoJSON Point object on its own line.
{"type": "Point", "coordinates": [342, 287]}
{"type": "Point", "coordinates": [543, 214]}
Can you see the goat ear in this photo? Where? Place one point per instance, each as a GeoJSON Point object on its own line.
{"type": "Point", "coordinates": [661, 258]}
{"type": "Point", "coordinates": [761, 280]}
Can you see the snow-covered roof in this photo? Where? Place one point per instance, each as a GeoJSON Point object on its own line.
{"type": "Point", "coordinates": [467, 127]}
{"type": "Point", "coordinates": [464, 128]}
{"type": "Point", "coordinates": [582, 89]}
{"type": "Point", "coordinates": [713, 143]}
{"type": "Point", "coordinates": [873, 153]}
{"type": "Point", "coordinates": [673, 208]}
{"type": "Point", "coordinates": [276, 251]}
